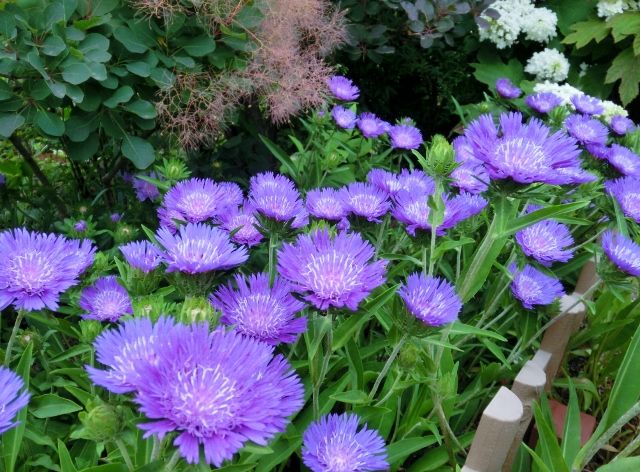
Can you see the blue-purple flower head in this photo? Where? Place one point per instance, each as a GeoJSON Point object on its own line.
{"type": "Point", "coordinates": [145, 190]}
{"type": "Point", "coordinates": [599, 151]}
{"type": "Point", "coordinates": [276, 197]}
{"type": "Point", "coordinates": [459, 208]}
{"type": "Point", "coordinates": [336, 443]}
{"type": "Point", "coordinates": [80, 226]}
{"type": "Point", "coordinates": [524, 152]}
{"type": "Point", "coordinates": [142, 255]}
{"type": "Point", "coordinates": [12, 398]}
{"type": "Point", "coordinates": [199, 248]}
{"type": "Point", "coordinates": [621, 125]}
{"type": "Point", "coordinates": [105, 300]}
{"type": "Point", "coordinates": [371, 126]}
{"type": "Point", "coordinates": [626, 191]}
{"type": "Point", "coordinates": [344, 117]}
{"type": "Point", "coordinates": [624, 160]}
{"type": "Point", "coordinates": [547, 241]}
{"type": "Point", "coordinates": [115, 217]}
{"type": "Point", "coordinates": [471, 177]}
{"type": "Point", "coordinates": [326, 203]}
{"type": "Point", "coordinates": [543, 102]}
{"type": "Point", "coordinates": [343, 88]}
{"type": "Point", "coordinates": [586, 130]}
{"type": "Point", "coordinates": [587, 105]}
{"type": "Point", "coordinates": [463, 150]}
{"type": "Point", "coordinates": [534, 288]}
{"type": "Point", "coordinates": [258, 310]}
{"type": "Point", "coordinates": [416, 182]}
{"type": "Point", "coordinates": [35, 268]}
{"type": "Point", "coordinates": [623, 252]}
{"type": "Point", "coordinates": [506, 89]}
{"type": "Point", "coordinates": [365, 200]}
{"type": "Point", "coordinates": [405, 136]}
{"type": "Point", "coordinates": [432, 300]}
{"type": "Point", "coordinates": [242, 222]}
{"type": "Point", "coordinates": [336, 271]}
{"type": "Point", "coordinates": [384, 180]}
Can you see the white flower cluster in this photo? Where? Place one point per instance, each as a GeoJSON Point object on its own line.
{"type": "Point", "coordinates": [548, 64]}
{"type": "Point", "coordinates": [506, 19]}
{"type": "Point", "coordinates": [609, 8]}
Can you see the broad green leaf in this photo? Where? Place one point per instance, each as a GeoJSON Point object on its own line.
{"type": "Point", "coordinates": [8, 28]}
{"type": "Point", "coordinates": [278, 153]}
{"type": "Point", "coordinates": [586, 31]}
{"type": "Point", "coordinates": [162, 77]}
{"type": "Point", "coordinates": [142, 108]}
{"type": "Point", "coordinates": [50, 123]}
{"type": "Point", "coordinates": [50, 405]}
{"type": "Point", "coordinates": [95, 48]}
{"type": "Point", "coordinates": [9, 122]}
{"type": "Point", "coordinates": [102, 7]}
{"type": "Point", "coordinates": [53, 45]}
{"type": "Point", "coordinates": [139, 68]}
{"type": "Point", "coordinates": [572, 428]}
{"type": "Point", "coordinates": [37, 63]}
{"type": "Point", "coordinates": [625, 68]}
{"type": "Point", "coordinates": [624, 24]}
{"type": "Point", "coordinates": [66, 463]}
{"type": "Point", "coordinates": [75, 72]}
{"type": "Point", "coordinates": [460, 328]}
{"type": "Point", "coordinates": [98, 71]}
{"type": "Point", "coordinates": [138, 151]}
{"type": "Point", "coordinates": [626, 464]}
{"type": "Point", "coordinates": [199, 46]}
{"type": "Point", "coordinates": [400, 450]}
{"type": "Point", "coordinates": [80, 126]}
{"type": "Point", "coordinates": [57, 89]}
{"type": "Point", "coordinates": [547, 441]}
{"type": "Point", "coordinates": [356, 397]}
{"type": "Point", "coordinates": [130, 39]}
{"type": "Point", "coordinates": [122, 95]}
{"type": "Point", "coordinates": [490, 68]}
{"type": "Point", "coordinates": [552, 211]}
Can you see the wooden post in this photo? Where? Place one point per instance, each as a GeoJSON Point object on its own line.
{"type": "Point", "coordinates": [498, 426]}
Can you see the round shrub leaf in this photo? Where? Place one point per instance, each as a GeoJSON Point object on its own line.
{"type": "Point", "coordinates": [138, 151]}
{"type": "Point", "coordinates": [49, 123]}
{"type": "Point", "coordinates": [122, 95]}
{"type": "Point", "coordinates": [9, 123]}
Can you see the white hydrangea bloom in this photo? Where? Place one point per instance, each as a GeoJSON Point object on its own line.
{"type": "Point", "coordinates": [564, 91]}
{"type": "Point", "coordinates": [610, 110]}
{"type": "Point", "coordinates": [540, 25]}
{"type": "Point", "coordinates": [504, 30]}
{"type": "Point", "coordinates": [609, 8]}
{"type": "Point", "coordinates": [548, 64]}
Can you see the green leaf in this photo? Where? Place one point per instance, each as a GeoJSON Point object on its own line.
{"type": "Point", "coordinates": [288, 166]}
{"type": "Point", "coordinates": [624, 24]}
{"type": "Point", "coordinates": [460, 328]}
{"type": "Point", "coordinates": [107, 468]}
{"type": "Point", "coordinates": [626, 464]}
{"type": "Point", "coordinates": [354, 397]}
{"type": "Point", "coordinates": [162, 77]}
{"type": "Point", "coordinates": [95, 48]}
{"type": "Point", "coordinates": [142, 108]}
{"type": "Point", "coordinates": [9, 122]}
{"type": "Point", "coordinates": [75, 72]}
{"type": "Point", "coordinates": [36, 62]}
{"type": "Point", "coordinates": [548, 442]}
{"type": "Point", "coordinates": [625, 68]}
{"type": "Point", "coordinates": [80, 126]}
{"type": "Point", "coordinates": [572, 429]}
{"type": "Point", "coordinates": [138, 151]}
{"type": "Point", "coordinates": [50, 123]}
{"type": "Point", "coordinates": [8, 28]}
{"type": "Point", "coordinates": [552, 211]}
{"type": "Point", "coordinates": [400, 450]}
{"type": "Point", "coordinates": [98, 71]}
{"type": "Point", "coordinates": [102, 7]}
{"type": "Point", "coordinates": [491, 68]}
{"type": "Point", "coordinates": [50, 405]}
{"type": "Point", "coordinates": [586, 31]}
{"type": "Point", "coordinates": [130, 39]}
{"type": "Point", "coordinates": [53, 45]}
{"type": "Point", "coordinates": [122, 95]}
{"type": "Point", "coordinates": [199, 46]}
{"type": "Point", "coordinates": [66, 464]}
{"type": "Point", "coordinates": [139, 68]}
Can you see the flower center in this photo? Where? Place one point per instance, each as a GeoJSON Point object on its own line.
{"type": "Point", "coordinates": [332, 274]}
{"type": "Point", "coordinates": [31, 272]}
{"type": "Point", "coordinates": [520, 155]}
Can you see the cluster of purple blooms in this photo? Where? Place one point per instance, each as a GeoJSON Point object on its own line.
{"type": "Point", "coordinates": [13, 398]}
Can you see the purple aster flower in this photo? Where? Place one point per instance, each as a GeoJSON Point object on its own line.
{"type": "Point", "coordinates": [335, 443]}
{"type": "Point", "coordinates": [331, 271]}
{"type": "Point", "coordinates": [464, 150]}
{"type": "Point", "coordinates": [12, 400]}
{"type": "Point", "coordinates": [371, 126]}
{"type": "Point", "coordinates": [599, 151]}
{"type": "Point", "coordinates": [543, 102]}
{"type": "Point", "coordinates": [432, 300]}
{"type": "Point", "coordinates": [142, 255]}
{"type": "Point", "coordinates": [326, 203]}
{"type": "Point", "coordinates": [199, 248]}
{"type": "Point", "coordinates": [36, 268]}
{"type": "Point", "coordinates": [621, 125]}
{"type": "Point", "coordinates": [626, 191]}
{"type": "Point", "coordinates": [533, 287]}
{"type": "Point", "coordinates": [384, 180]}
{"type": "Point", "coordinates": [125, 350]}
{"type": "Point", "coordinates": [571, 176]}
{"type": "Point", "coordinates": [197, 200]}
{"type": "Point", "coordinates": [405, 136]}
{"type": "Point", "coordinates": [80, 226]}
{"type": "Point", "coordinates": [416, 182]}
{"type": "Point", "coordinates": [259, 311]}
{"type": "Point", "coordinates": [460, 208]}
{"type": "Point", "coordinates": [276, 197]}
{"type": "Point", "coordinates": [344, 117]}
{"type": "Point", "coordinates": [115, 217]}
{"type": "Point", "coordinates": [472, 177]}
{"type": "Point", "coordinates": [546, 241]}
{"type": "Point", "coordinates": [343, 88]}
{"type": "Point", "coordinates": [587, 105]}
{"type": "Point", "coordinates": [506, 89]}
{"type": "Point", "coordinates": [624, 160]}
{"type": "Point", "coordinates": [365, 200]}
{"type": "Point", "coordinates": [218, 390]}
{"type": "Point", "coordinates": [586, 129]}
{"type": "Point", "coordinates": [523, 152]}
{"type": "Point", "coordinates": [243, 221]}
{"type": "Point", "coordinates": [106, 300]}
{"type": "Point", "coordinates": [3, 179]}
{"type": "Point", "coordinates": [623, 252]}
{"type": "Point", "coordinates": [145, 190]}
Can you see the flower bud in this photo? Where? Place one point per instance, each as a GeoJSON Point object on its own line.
{"type": "Point", "coordinates": [89, 330]}
{"type": "Point", "coordinates": [441, 156]}
{"type": "Point", "coordinates": [101, 421]}
{"type": "Point", "coordinates": [197, 309]}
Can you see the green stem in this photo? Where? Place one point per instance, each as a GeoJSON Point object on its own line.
{"type": "Point", "coordinates": [432, 251]}
{"type": "Point", "coordinates": [125, 454]}
{"type": "Point", "coordinates": [391, 391]}
{"type": "Point", "coordinates": [424, 260]}
{"type": "Point", "coordinates": [157, 448]}
{"type": "Point", "coordinates": [381, 232]}
{"type": "Point", "coordinates": [444, 426]}
{"type": "Point", "coordinates": [387, 366]}
{"type": "Point", "coordinates": [328, 340]}
{"type": "Point", "coordinates": [172, 462]}
{"type": "Point", "coordinates": [273, 243]}
{"type": "Point", "coordinates": [12, 339]}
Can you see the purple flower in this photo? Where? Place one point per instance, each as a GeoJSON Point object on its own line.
{"type": "Point", "coordinates": [587, 105]}
{"type": "Point", "coordinates": [197, 200]}
{"type": "Point", "coordinates": [525, 153]}
{"type": "Point", "coordinates": [384, 180]}
{"type": "Point", "coordinates": [106, 300]}
{"type": "Point", "coordinates": [344, 117]}
{"type": "Point", "coordinates": [331, 271]}
{"type": "Point", "coordinates": [586, 129]}
{"type": "Point", "coordinates": [3, 179]}
{"type": "Point", "coordinates": [334, 444]}
{"type": "Point", "coordinates": [276, 197]}
{"type": "Point", "coordinates": [259, 311]}
{"type": "Point", "coordinates": [12, 400]}
{"type": "Point", "coordinates": [623, 252]}
{"type": "Point", "coordinates": [405, 136]}
{"type": "Point", "coordinates": [546, 241]}
{"type": "Point", "coordinates": [343, 88]}
{"type": "Point", "coordinates": [199, 248]}
{"type": "Point", "coordinates": [365, 200]}
{"type": "Point", "coordinates": [599, 151]}
{"type": "Point", "coordinates": [571, 176]}
{"type": "Point", "coordinates": [472, 177]}
{"type": "Point", "coordinates": [145, 190]}
{"type": "Point", "coordinates": [36, 268]}
{"type": "Point", "coordinates": [326, 203]}
{"type": "Point", "coordinates": [142, 255]}
{"type": "Point", "coordinates": [463, 150]}
{"type": "Point", "coordinates": [125, 350]}
{"type": "Point", "coordinates": [626, 191]}
{"type": "Point", "coordinates": [218, 390]}
{"type": "Point", "coordinates": [371, 126]}
{"type": "Point", "coordinates": [506, 89]}
{"type": "Point", "coordinates": [80, 226]}
{"type": "Point", "coordinates": [115, 217]}
{"type": "Point", "coordinates": [243, 221]}
{"type": "Point", "coordinates": [460, 208]}
{"type": "Point", "coordinates": [416, 182]}
{"type": "Point", "coordinates": [621, 125]}
{"type": "Point", "coordinates": [543, 102]}
{"type": "Point", "coordinates": [533, 287]}
{"type": "Point", "coordinates": [624, 160]}
{"type": "Point", "coordinates": [432, 300]}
